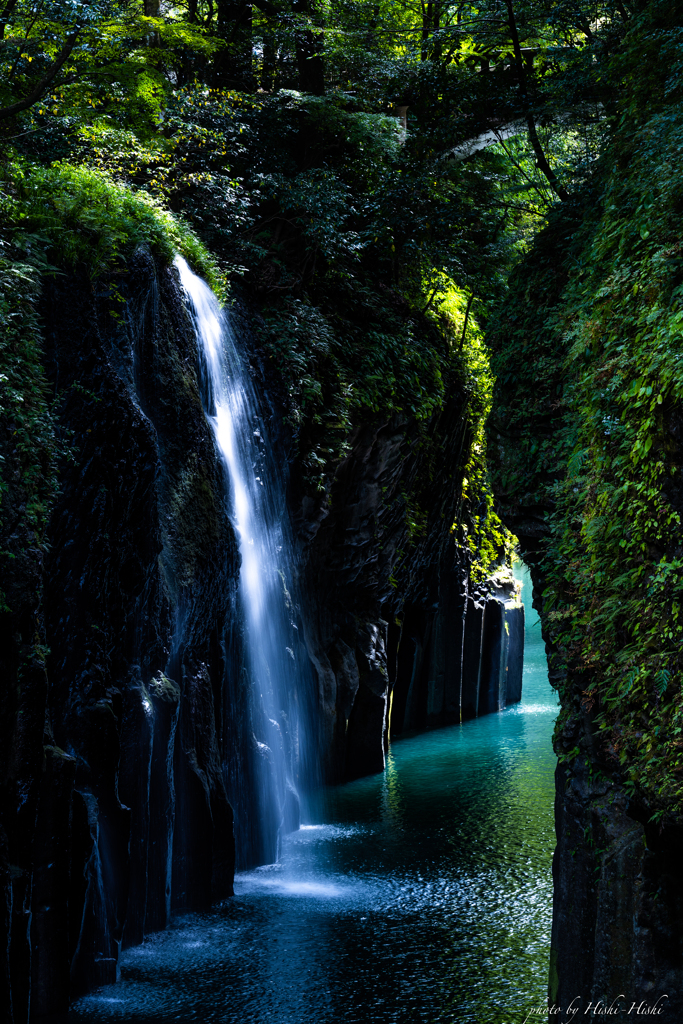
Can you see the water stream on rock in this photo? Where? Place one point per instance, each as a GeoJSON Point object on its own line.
{"type": "Point", "coordinates": [424, 897]}
{"type": "Point", "coordinates": [262, 781]}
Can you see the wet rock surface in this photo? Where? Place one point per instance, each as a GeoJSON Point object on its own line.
{"type": "Point", "coordinates": [120, 809]}
{"type": "Point", "coordinates": [397, 641]}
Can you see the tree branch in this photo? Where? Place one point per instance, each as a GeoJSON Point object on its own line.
{"type": "Point", "coordinates": [541, 158]}
{"type": "Point", "coordinates": [467, 317]}
{"type": "Point", "coordinates": [518, 166]}
{"type": "Point", "coordinates": [48, 77]}
{"type": "Point", "coordinates": [5, 16]}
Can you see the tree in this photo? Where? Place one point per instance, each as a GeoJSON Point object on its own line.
{"type": "Point", "coordinates": [40, 87]}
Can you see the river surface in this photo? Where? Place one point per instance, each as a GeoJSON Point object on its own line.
{"type": "Point", "coordinates": [425, 896]}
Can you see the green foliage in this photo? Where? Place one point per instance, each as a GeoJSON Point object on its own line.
{"type": "Point", "coordinates": [362, 245]}
{"type": "Point", "coordinates": [75, 216]}
{"type": "Point", "coordinates": [28, 480]}
{"type": "Point", "coordinates": [367, 356]}
{"type": "Point", "coordinates": [596, 365]}
{"type": "Point", "coordinates": [117, 71]}
{"type": "Point", "coordinates": [486, 542]}
{"type": "Point", "coordinates": [54, 220]}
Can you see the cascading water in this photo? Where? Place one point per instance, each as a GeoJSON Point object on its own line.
{"type": "Point", "coordinates": [263, 727]}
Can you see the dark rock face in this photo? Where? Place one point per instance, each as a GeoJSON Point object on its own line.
{"type": "Point", "coordinates": [127, 816]}
{"type": "Point", "coordinates": [618, 904]}
{"type": "Point", "coordinates": [398, 652]}
{"type": "Point", "coordinates": [464, 656]}
{"type": "Point", "coordinates": [618, 891]}
{"type": "Point", "coordinates": [129, 745]}
{"type": "Point", "coordinates": [349, 560]}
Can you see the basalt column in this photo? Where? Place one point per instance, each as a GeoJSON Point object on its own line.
{"type": "Point", "coordinates": [461, 658]}
{"type": "Point", "coordinates": [132, 818]}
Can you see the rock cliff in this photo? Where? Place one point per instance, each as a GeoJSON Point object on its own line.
{"type": "Point", "coordinates": [397, 640]}
{"type": "Point", "coordinates": [118, 812]}
{"type": "Point", "coordinates": [585, 433]}
{"type": "Point", "coordinates": [128, 724]}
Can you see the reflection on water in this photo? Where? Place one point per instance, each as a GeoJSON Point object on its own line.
{"type": "Point", "coordinates": [425, 897]}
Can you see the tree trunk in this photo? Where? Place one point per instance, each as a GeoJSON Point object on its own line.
{"type": "Point", "coordinates": [5, 16]}
{"type": "Point", "coordinates": [152, 10]}
{"type": "Point", "coordinates": [233, 63]}
{"type": "Point", "coordinates": [372, 28]}
{"type": "Point", "coordinates": [309, 53]}
{"type": "Point", "coordinates": [40, 88]}
{"type": "Point", "coordinates": [466, 321]}
{"type": "Point", "coordinates": [269, 66]}
{"type": "Point", "coordinates": [431, 21]}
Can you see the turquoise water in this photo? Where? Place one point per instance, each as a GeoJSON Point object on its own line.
{"type": "Point", "coordinates": [425, 896]}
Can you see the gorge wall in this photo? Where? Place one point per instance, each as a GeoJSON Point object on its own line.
{"type": "Point", "coordinates": [398, 641]}
{"type": "Point", "coordinates": [129, 729]}
{"type": "Point", "coordinates": [585, 443]}
{"type": "Point", "coordinates": [369, 258]}
{"type": "Point", "coordinates": [115, 806]}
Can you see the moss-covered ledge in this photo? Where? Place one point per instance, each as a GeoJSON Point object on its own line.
{"type": "Point", "coordinates": [586, 436]}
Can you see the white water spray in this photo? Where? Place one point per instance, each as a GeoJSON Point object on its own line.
{"type": "Point", "coordinates": [261, 783]}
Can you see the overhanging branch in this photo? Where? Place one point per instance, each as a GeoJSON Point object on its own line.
{"type": "Point", "coordinates": [48, 77]}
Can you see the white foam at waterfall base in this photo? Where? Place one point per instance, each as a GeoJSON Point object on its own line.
{"type": "Point", "coordinates": [255, 498]}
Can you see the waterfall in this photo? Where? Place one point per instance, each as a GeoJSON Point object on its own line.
{"type": "Point", "coordinates": [263, 711]}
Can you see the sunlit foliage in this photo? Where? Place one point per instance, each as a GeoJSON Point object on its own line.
{"type": "Point", "coordinates": [322, 151]}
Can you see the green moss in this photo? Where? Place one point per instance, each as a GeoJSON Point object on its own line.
{"type": "Point", "coordinates": [617, 592]}
{"type": "Point", "coordinates": [198, 518]}
{"type": "Point", "coordinates": [590, 418]}
{"type": "Point", "coordinates": [350, 360]}
{"type": "Point", "coordinates": [164, 689]}
{"type": "Point", "coordinates": [54, 220]}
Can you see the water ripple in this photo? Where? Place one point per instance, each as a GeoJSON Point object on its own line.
{"type": "Point", "coordinates": [425, 896]}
